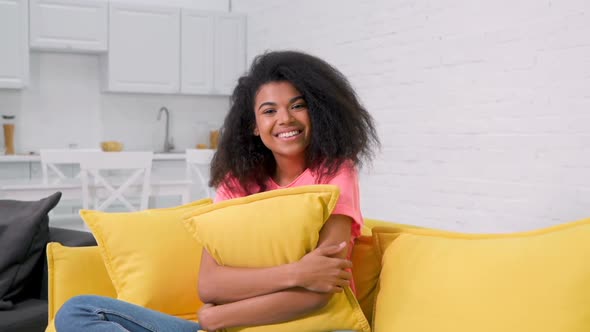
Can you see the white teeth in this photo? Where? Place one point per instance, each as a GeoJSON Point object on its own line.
{"type": "Point", "coordinates": [289, 134]}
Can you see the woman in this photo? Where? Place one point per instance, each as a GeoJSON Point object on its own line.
{"type": "Point", "coordinates": [294, 120]}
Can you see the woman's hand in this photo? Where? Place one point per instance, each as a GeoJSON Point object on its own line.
{"type": "Point", "coordinates": [320, 271]}
{"type": "Point", "coordinates": [204, 317]}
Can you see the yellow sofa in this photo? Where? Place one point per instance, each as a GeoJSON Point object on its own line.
{"type": "Point", "coordinates": [415, 279]}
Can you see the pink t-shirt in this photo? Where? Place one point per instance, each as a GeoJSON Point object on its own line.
{"type": "Point", "coordinates": [346, 179]}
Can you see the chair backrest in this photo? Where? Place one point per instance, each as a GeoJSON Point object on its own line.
{"type": "Point", "coordinates": [51, 159]}
{"type": "Point", "coordinates": [197, 165]}
{"type": "Point", "coordinates": [109, 188]}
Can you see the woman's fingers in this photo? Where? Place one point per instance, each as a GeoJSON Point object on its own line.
{"type": "Point", "coordinates": [331, 249]}
{"type": "Point", "coordinates": [344, 263]}
{"type": "Point", "coordinates": [345, 275]}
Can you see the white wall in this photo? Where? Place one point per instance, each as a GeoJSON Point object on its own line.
{"type": "Point", "coordinates": [64, 105]}
{"type": "Point", "coordinates": [482, 106]}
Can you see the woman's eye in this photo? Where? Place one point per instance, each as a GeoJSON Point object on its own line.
{"type": "Point", "coordinates": [268, 111]}
{"type": "Point", "coordinates": [298, 106]}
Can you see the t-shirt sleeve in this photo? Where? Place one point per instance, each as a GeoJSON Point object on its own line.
{"type": "Point", "coordinates": [349, 202]}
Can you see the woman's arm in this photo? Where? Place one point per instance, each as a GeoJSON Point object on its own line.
{"type": "Point", "coordinates": [293, 303]}
{"type": "Point", "coordinates": [317, 271]}
{"type": "Point", "coordinates": [224, 284]}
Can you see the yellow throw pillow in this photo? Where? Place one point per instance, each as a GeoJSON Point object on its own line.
{"type": "Point", "coordinates": [273, 228]}
{"type": "Point", "coordinates": [443, 281]}
{"type": "Point", "coordinates": [151, 258]}
{"type": "Point", "coordinates": [74, 271]}
{"type": "Point", "coordinates": [367, 264]}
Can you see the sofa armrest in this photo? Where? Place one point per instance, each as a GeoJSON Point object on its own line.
{"type": "Point", "coordinates": [67, 237]}
{"type": "Point", "coordinates": [75, 271]}
{"type": "Point", "coordinates": [71, 238]}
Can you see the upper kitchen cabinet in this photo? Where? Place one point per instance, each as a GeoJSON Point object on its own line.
{"type": "Point", "coordinates": [69, 25]}
{"type": "Point", "coordinates": [14, 43]}
{"type": "Point", "coordinates": [213, 52]}
{"type": "Point", "coordinates": [144, 49]}
{"type": "Point", "coordinates": [230, 51]}
{"type": "Point", "coordinates": [196, 69]}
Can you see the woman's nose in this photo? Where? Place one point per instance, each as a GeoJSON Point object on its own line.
{"type": "Point", "coordinates": [285, 116]}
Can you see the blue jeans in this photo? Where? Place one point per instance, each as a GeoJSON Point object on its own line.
{"type": "Point", "coordinates": [91, 313]}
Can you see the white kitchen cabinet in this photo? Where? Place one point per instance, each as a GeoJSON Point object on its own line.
{"type": "Point", "coordinates": [230, 51]}
{"type": "Point", "coordinates": [69, 25]}
{"type": "Point", "coordinates": [196, 59]}
{"type": "Point", "coordinates": [14, 43]}
{"type": "Point", "coordinates": [213, 52]}
{"type": "Point", "coordinates": [144, 49]}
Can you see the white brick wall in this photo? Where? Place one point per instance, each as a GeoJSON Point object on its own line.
{"type": "Point", "coordinates": [483, 107]}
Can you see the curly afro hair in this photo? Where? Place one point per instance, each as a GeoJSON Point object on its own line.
{"type": "Point", "coordinates": [342, 129]}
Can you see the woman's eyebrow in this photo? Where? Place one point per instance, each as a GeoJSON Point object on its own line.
{"type": "Point", "coordinates": [295, 98]}
{"type": "Point", "coordinates": [270, 103]}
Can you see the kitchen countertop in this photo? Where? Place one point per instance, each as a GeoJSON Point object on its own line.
{"type": "Point", "coordinates": [37, 158]}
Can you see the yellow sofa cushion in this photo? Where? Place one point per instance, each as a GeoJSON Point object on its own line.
{"type": "Point", "coordinates": [443, 281]}
{"type": "Point", "coordinates": [73, 271]}
{"type": "Point", "coordinates": [365, 272]}
{"type": "Point", "coordinates": [367, 264]}
{"type": "Point", "coordinates": [151, 258]}
{"type": "Point", "coordinates": [273, 228]}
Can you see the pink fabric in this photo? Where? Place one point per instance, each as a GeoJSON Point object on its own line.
{"type": "Point", "coordinates": [346, 179]}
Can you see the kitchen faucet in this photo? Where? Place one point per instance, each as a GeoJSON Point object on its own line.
{"type": "Point", "coordinates": [168, 145]}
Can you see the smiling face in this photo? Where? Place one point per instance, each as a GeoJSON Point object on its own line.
{"type": "Point", "coordinates": [282, 121]}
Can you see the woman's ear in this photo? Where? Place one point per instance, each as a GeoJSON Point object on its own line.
{"type": "Point", "coordinates": [256, 132]}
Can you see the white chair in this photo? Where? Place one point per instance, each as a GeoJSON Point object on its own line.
{"type": "Point", "coordinates": [171, 188]}
{"type": "Point", "coordinates": [51, 159]}
{"type": "Point", "coordinates": [109, 188]}
{"type": "Point", "coordinates": [198, 162]}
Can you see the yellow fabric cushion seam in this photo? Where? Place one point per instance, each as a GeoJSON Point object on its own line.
{"type": "Point", "coordinates": [380, 243]}
{"type": "Point", "coordinates": [358, 312]}
{"type": "Point", "coordinates": [105, 252]}
{"type": "Point", "coordinates": [377, 242]}
{"type": "Point", "coordinates": [483, 236]}
{"type": "Point", "coordinates": [375, 300]}
{"type": "Point", "coordinates": [264, 195]}
{"type": "Point", "coordinates": [50, 285]}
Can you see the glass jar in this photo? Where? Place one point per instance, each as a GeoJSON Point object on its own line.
{"type": "Point", "coordinates": [8, 126]}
